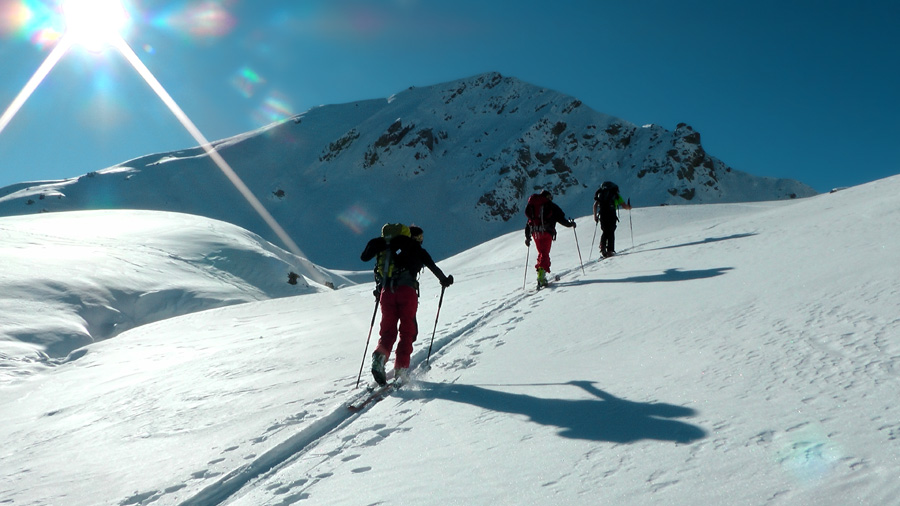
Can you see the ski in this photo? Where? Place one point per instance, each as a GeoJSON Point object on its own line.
{"type": "Point", "coordinates": [373, 393]}
{"type": "Point", "coordinates": [602, 258]}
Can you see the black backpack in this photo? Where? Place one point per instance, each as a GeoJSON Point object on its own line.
{"type": "Point", "coordinates": [606, 195]}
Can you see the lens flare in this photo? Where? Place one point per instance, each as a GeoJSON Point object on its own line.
{"type": "Point", "coordinates": [79, 24]}
{"type": "Point", "coordinates": [356, 219]}
{"type": "Point", "coordinates": [809, 455]}
{"type": "Point", "coordinates": [45, 38]}
{"type": "Point", "coordinates": [31, 20]}
{"type": "Point", "coordinates": [273, 109]}
{"type": "Point", "coordinates": [14, 17]}
{"type": "Point", "coordinates": [246, 81]}
{"type": "Point", "coordinates": [204, 20]}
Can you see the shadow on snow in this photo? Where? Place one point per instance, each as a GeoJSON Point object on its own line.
{"type": "Point", "coordinates": [708, 240]}
{"type": "Point", "coordinates": [606, 418]}
{"type": "Point", "coordinates": [668, 275]}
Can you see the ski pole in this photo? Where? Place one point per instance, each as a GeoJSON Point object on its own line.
{"type": "Point", "coordinates": [527, 256]}
{"type": "Point", "coordinates": [578, 247]}
{"type": "Point", "coordinates": [630, 224]}
{"type": "Point", "coordinates": [591, 253]}
{"type": "Point", "coordinates": [366, 352]}
{"type": "Point", "coordinates": [440, 302]}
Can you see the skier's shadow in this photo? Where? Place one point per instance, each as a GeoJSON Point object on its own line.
{"type": "Point", "coordinates": [606, 418]}
{"type": "Point", "coordinates": [708, 240]}
{"type": "Point", "coordinates": [669, 275]}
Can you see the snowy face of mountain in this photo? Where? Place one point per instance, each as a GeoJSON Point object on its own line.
{"type": "Point", "coordinates": [458, 159]}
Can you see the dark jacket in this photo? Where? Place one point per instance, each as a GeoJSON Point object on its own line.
{"type": "Point", "coordinates": [408, 257]}
{"type": "Point", "coordinates": [552, 215]}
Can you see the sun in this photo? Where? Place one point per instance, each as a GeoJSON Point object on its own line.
{"type": "Point", "coordinates": [94, 24]}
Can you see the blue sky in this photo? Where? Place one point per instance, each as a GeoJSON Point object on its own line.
{"type": "Point", "coordinates": [801, 89]}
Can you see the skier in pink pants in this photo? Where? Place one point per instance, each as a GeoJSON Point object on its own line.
{"type": "Point", "coordinates": [398, 293]}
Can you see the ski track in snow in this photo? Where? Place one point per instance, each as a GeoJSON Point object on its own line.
{"type": "Point", "coordinates": [297, 447]}
{"type": "Point", "coordinates": [311, 456]}
{"type": "Point", "coordinates": [360, 431]}
{"type": "Point", "coordinates": [341, 418]}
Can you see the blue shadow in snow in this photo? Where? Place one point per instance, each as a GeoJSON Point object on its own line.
{"type": "Point", "coordinates": [669, 275]}
{"type": "Point", "coordinates": [606, 418]}
{"type": "Point", "coordinates": [708, 240]}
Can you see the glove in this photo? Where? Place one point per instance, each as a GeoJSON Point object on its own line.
{"type": "Point", "coordinates": [596, 218]}
{"type": "Point", "coordinates": [377, 293]}
{"type": "Point", "coordinates": [447, 281]}
{"type": "Point", "coordinates": [572, 223]}
{"type": "Point", "coordinates": [528, 241]}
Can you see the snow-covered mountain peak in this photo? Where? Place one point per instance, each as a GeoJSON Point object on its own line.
{"type": "Point", "coordinates": [458, 158]}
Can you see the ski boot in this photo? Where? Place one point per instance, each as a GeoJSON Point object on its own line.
{"type": "Point", "coordinates": [542, 278]}
{"type": "Point", "coordinates": [378, 360]}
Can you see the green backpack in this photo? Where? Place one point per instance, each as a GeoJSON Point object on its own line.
{"type": "Point", "coordinates": [385, 266]}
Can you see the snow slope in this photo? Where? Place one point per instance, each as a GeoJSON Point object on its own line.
{"type": "Point", "coordinates": [69, 279]}
{"type": "Point", "coordinates": [739, 354]}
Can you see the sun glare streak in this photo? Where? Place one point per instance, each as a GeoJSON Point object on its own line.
{"type": "Point", "coordinates": [198, 136]}
{"type": "Point", "coordinates": [99, 22]}
{"type": "Point", "coordinates": [32, 84]}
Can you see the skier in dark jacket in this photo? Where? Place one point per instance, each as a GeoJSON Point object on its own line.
{"type": "Point", "coordinates": [399, 299]}
{"type": "Point", "coordinates": [606, 202]}
{"type": "Point", "coordinates": [543, 215]}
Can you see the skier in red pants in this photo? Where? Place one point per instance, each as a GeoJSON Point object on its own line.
{"type": "Point", "coordinates": [398, 305]}
{"type": "Point", "coordinates": [543, 215]}
{"type": "Point", "coordinates": [398, 293]}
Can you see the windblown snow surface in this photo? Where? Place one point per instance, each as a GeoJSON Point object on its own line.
{"type": "Point", "coordinates": [740, 354]}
